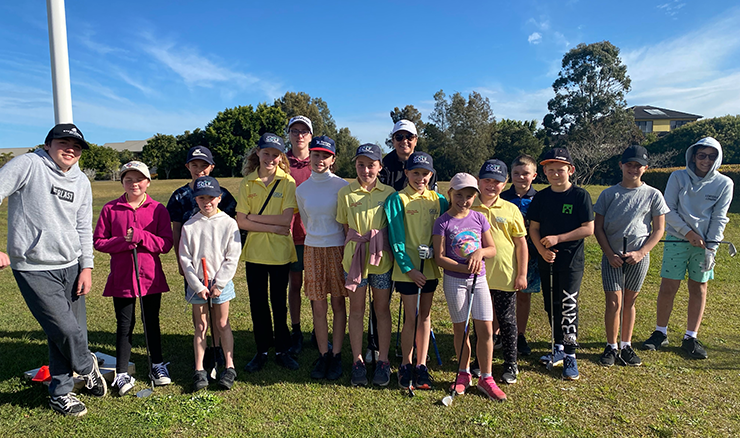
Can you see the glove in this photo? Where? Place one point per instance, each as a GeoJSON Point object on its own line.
{"type": "Point", "coordinates": [708, 263]}
{"type": "Point", "coordinates": [425, 252]}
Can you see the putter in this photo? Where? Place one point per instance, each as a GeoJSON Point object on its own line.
{"type": "Point", "coordinates": [730, 246]}
{"type": "Point", "coordinates": [370, 327]}
{"type": "Point", "coordinates": [146, 392]}
{"type": "Point", "coordinates": [447, 400]}
{"type": "Point", "coordinates": [436, 350]}
{"type": "Point", "coordinates": [416, 325]}
{"type": "Point", "coordinates": [552, 320]}
{"type": "Point", "coordinates": [624, 287]}
{"type": "Point", "coordinates": [398, 325]}
{"type": "Point", "coordinates": [213, 354]}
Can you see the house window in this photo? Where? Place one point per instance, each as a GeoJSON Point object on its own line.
{"type": "Point", "coordinates": [678, 123]}
{"type": "Point", "coordinates": [646, 126]}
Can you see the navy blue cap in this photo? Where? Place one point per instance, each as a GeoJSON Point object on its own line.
{"type": "Point", "coordinates": [420, 160]}
{"type": "Point", "coordinates": [635, 153]}
{"type": "Point", "coordinates": [557, 155]}
{"type": "Point", "coordinates": [66, 130]}
{"type": "Point", "coordinates": [200, 153]}
{"type": "Point", "coordinates": [270, 140]}
{"type": "Point", "coordinates": [494, 169]}
{"type": "Point", "coordinates": [323, 143]}
{"type": "Point", "coordinates": [371, 151]}
{"type": "Point", "coordinates": [206, 186]}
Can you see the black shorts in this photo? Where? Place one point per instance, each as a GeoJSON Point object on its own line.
{"type": "Point", "coordinates": [410, 288]}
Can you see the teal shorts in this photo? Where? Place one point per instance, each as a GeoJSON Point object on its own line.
{"type": "Point", "coordinates": [678, 257]}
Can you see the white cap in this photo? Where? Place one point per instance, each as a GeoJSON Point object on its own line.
{"type": "Point", "coordinates": [404, 125]}
{"type": "Point", "coordinates": [138, 166]}
{"type": "Point", "coordinates": [302, 119]}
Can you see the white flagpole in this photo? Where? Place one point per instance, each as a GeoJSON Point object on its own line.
{"type": "Point", "coordinates": [59, 61]}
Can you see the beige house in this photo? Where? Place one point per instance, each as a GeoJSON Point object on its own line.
{"type": "Point", "coordinates": [660, 120]}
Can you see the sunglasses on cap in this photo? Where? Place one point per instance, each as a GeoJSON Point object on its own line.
{"type": "Point", "coordinates": [398, 136]}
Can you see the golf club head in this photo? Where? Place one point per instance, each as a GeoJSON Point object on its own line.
{"type": "Point", "coordinates": [732, 249]}
{"type": "Point", "coordinates": [144, 393]}
{"type": "Point", "coordinates": [549, 365]}
{"type": "Point", "coordinates": [447, 401]}
{"type": "Point", "coordinates": [411, 392]}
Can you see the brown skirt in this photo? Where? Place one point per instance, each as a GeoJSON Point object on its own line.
{"type": "Point", "coordinates": [323, 274]}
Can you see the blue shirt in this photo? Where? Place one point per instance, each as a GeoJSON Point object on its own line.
{"type": "Point", "coordinates": [182, 204]}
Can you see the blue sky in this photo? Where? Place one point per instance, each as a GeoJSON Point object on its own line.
{"type": "Point", "coordinates": [143, 67]}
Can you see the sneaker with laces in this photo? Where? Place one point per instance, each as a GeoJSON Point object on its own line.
{"type": "Point", "coordinates": [124, 383]}
{"type": "Point", "coordinates": [609, 357]}
{"type": "Point", "coordinates": [423, 381]}
{"type": "Point", "coordinates": [319, 368]}
{"type": "Point", "coordinates": [159, 374]}
{"type": "Point", "coordinates": [68, 404]}
{"type": "Point", "coordinates": [334, 369]}
{"type": "Point", "coordinates": [628, 357]}
{"type": "Point", "coordinates": [227, 378]}
{"type": "Point", "coordinates": [405, 374]}
{"type": "Point", "coordinates": [522, 346]}
{"type": "Point", "coordinates": [694, 348]}
{"type": "Point", "coordinates": [359, 374]}
{"type": "Point", "coordinates": [200, 380]}
{"type": "Point", "coordinates": [511, 370]}
{"type": "Point", "coordinates": [382, 376]}
{"type": "Point", "coordinates": [655, 341]}
{"type": "Point", "coordinates": [462, 383]}
{"type": "Point", "coordinates": [570, 368]}
{"type": "Point", "coordinates": [94, 381]}
{"type": "Point", "coordinates": [489, 388]}
{"type": "Point", "coordinates": [557, 358]}
{"type": "Point", "coordinates": [257, 363]}
{"type": "Point", "coordinates": [475, 368]}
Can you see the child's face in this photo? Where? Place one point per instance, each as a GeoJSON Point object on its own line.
{"type": "Point", "coordinates": [462, 200]}
{"type": "Point", "coordinates": [490, 188]}
{"type": "Point", "coordinates": [367, 169]}
{"type": "Point", "coordinates": [558, 173]}
{"type": "Point", "coordinates": [523, 175]}
{"type": "Point", "coordinates": [418, 178]}
{"type": "Point", "coordinates": [135, 183]}
{"type": "Point", "coordinates": [65, 152]}
{"type": "Point", "coordinates": [208, 204]}
{"type": "Point", "coordinates": [321, 161]}
{"type": "Point", "coordinates": [269, 159]}
{"type": "Point", "coordinates": [300, 136]}
{"type": "Point", "coordinates": [199, 168]}
{"type": "Point", "coordinates": [704, 159]}
{"type": "Point", "coordinates": [632, 171]}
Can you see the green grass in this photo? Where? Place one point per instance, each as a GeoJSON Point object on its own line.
{"type": "Point", "coordinates": [668, 396]}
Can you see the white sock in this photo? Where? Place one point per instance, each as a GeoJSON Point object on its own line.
{"type": "Point", "coordinates": [571, 355]}
{"type": "Point", "coordinates": [466, 370]}
{"type": "Point", "coordinates": [663, 330]}
{"type": "Point", "coordinates": [690, 334]}
{"type": "Point", "coordinates": [559, 347]}
{"type": "Point", "coordinates": [484, 375]}
{"type": "Point", "coordinates": [614, 346]}
{"type": "Point", "coordinates": [625, 344]}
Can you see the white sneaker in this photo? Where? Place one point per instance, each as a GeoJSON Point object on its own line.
{"type": "Point", "coordinates": [160, 375]}
{"type": "Point", "coordinates": [124, 383]}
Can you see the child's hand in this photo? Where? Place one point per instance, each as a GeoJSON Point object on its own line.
{"type": "Point", "coordinates": [549, 241]}
{"type": "Point", "coordinates": [203, 294]}
{"type": "Point", "coordinates": [695, 239]}
{"type": "Point", "coordinates": [129, 234]}
{"type": "Point", "coordinates": [520, 282]}
{"type": "Point", "coordinates": [417, 277]}
{"type": "Point", "coordinates": [615, 260]}
{"type": "Point", "coordinates": [215, 292]}
{"type": "Point", "coordinates": [279, 229]}
{"type": "Point", "coordinates": [4, 260]}
{"type": "Point", "coordinates": [475, 262]}
{"type": "Point", "coordinates": [548, 255]}
{"type": "Point", "coordinates": [634, 257]}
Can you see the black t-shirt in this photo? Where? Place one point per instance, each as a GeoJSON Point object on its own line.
{"type": "Point", "coordinates": [559, 213]}
{"type": "Point", "coordinates": [182, 205]}
{"type": "Point", "coordinates": [392, 173]}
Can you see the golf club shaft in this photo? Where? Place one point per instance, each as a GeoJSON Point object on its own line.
{"type": "Point", "coordinates": [465, 335]}
{"type": "Point", "coordinates": [143, 318]}
{"type": "Point", "coordinates": [416, 326]}
{"type": "Point", "coordinates": [552, 315]}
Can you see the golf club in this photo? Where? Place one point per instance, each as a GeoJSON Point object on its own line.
{"type": "Point", "coordinates": [447, 400]}
{"type": "Point", "coordinates": [730, 246]}
{"type": "Point", "coordinates": [416, 325]}
{"type": "Point", "coordinates": [436, 350]}
{"type": "Point", "coordinates": [398, 326]}
{"type": "Point", "coordinates": [147, 391]}
{"type": "Point", "coordinates": [624, 288]}
{"type": "Point", "coordinates": [213, 354]}
{"type": "Point", "coordinates": [370, 327]}
{"type": "Point", "coordinates": [552, 319]}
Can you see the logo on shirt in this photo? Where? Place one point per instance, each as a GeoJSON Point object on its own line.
{"type": "Point", "coordinates": [251, 195]}
{"type": "Point", "coordinates": [64, 195]}
{"type": "Point", "coordinates": [355, 204]}
{"type": "Point", "coordinates": [433, 211]}
{"type": "Point", "coordinates": [567, 208]}
{"type": "Point", "coordinates": [712, 198]}
{"type": "Point", "coordinates": [277, 195]}
{"type": "Point", "coordinates": [412, 212]}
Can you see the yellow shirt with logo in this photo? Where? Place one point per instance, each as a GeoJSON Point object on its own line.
{"type": "Point", "coordinates": [261, 247]}
{"type": "Point", "coordinates": [506, 223]}
{"type": "Point", "coordinates": [362, 211]}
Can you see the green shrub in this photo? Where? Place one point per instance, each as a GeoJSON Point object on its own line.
{"type": "Point", "coordinates": [658, 178]}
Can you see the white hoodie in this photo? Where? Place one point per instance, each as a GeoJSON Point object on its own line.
{"type": "Point", "coordinates": [699, 203]}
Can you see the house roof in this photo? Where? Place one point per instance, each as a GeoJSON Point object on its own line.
{"type": "Point", "coordinates": [15, 151]}
{"type": "Point", "coordinates": [654, 113]}
{"type": "Point", "coordinates": [130, 145]}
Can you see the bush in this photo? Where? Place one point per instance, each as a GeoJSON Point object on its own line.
{"type": "Point", "coordinates": [658, 178]}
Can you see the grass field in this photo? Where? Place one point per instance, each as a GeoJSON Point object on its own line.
{"type": "Point", "coordinates": [668, 396]}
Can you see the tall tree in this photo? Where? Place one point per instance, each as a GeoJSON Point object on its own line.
{"type": "Point", "coordinates": [512, 138]}
{"type": "Point", "coordinates": [410, 113]}
{"type": "Point", "coordinates": [160, 152]}
{"type": "Point", "coordinates": [347, 144]}
{"type": "Point", "coordinates": [301, 104]}
{"type": "Point", "coordinates": [104, 160]}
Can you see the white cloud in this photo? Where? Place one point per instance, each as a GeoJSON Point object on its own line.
{"type": "Point", "coordinates": [534, 38]}
{"type": "Point", "coordinates": [672, 8]}
{"type": "Point", "coordinates": [542, 25]}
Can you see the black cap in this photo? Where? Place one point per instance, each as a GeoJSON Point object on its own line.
{"type": "Point", "coordinates": [557, 155]}
{"type": "Point", "coordinates": [270, 140]}
{"type": "Point", "coordinates": [370, 150]}
{"type": "Point", "coordinates": [200, 153]}
{"type": "Point", "coordinates": [66, 130]}
{"type": "Point", "coordinates": [323, 143]}
{"type": "Point", "coordinates": [206, 186]}
{"type": "Point", "coordinates": [420, 160]}
{"type": "Point", "coordinates": [494, 169]}
{"type": "Point", "coordinates": [635, 153]}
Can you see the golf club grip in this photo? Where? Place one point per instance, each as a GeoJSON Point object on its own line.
{"type": "Point", "coordinates": [205, 271]}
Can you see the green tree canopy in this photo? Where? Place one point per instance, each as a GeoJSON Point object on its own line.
{"type": "Point", "coordinates": [725, 129]}
{"type": "Point", "coordinates": [162, 152]}
{"type": "Point", "coordinates": [103, 160]}
{"type": "Point", "coordinates": [512, 138]}
{"type": "Point", "coordinates": [301, 104]}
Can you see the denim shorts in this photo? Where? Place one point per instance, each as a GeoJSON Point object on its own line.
{"type": "Point", "coordinates": [227, 294]}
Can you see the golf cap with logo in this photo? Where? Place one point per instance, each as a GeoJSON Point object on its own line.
{"type": "Point", "coordinates": [200, 153]}
{"type": "Point", "coordinates": [557, 155]}
{"type": "Point", "coordinates": [270, 140]}
{"type": "Point", "coordinates": [463, 181]}
{"type": "Point", "coordinates": [635, 153]}
{"type": "Point", "coordinates": [66, 130]}
{"type": "Point", "coordinates": [420, 160]}
{"type": "Point", "coordinates": [370, 150]}
{"type": "Point", "coordinates": [138, 166]}
{"type": "Point", "coordinates": [206, 186]}
{"type": "Point", "coordinates": [301, 119]}
{"type": "Point", "coordinates": [323, 143]}
{"type": "Point", "coordinates": [404, 125]}
{"type": "Point", "coordinates": [494, 169]}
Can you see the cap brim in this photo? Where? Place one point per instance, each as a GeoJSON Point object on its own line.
{"type": "Point", "coordinates": [323, 150]}
{"type": "Point", "coordinates": [543, 162]}
{"type": "Point", "coordinates": [466, 186]}
{"type": "Point", "coordinates": [492, 176]}
{"type": "Point", "coordinates": [636, 160]}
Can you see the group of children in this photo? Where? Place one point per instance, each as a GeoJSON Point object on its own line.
{"type": "Point", "coordinates": [365, 234]}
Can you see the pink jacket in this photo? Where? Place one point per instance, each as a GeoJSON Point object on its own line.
{"type": "Point", "coordinates": [152, 236]}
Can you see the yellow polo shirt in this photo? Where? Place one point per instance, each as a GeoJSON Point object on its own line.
{"type": "Point", "coordinates": [261, 247]}
{"type": "Point", "coordinates": [362, 211]}
{"type": "Point", "coordinates": [506, 223]}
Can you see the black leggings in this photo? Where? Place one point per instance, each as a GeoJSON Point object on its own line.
{"type": "Point", "coordinates": [258, 276]}
{"type": "Point", "coordinates": [125, 322]}
{"type": "Point", "coordinates": [565, 300]}
{"type": "Point", "coordinates": [504, 304]}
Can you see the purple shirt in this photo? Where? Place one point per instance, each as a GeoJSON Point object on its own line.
{"type": "Point", "coordinates": [462, 237]}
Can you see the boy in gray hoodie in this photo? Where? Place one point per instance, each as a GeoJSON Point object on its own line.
{"type": "Point", "coordinates": [51, 254]}
{"type": "Point", "coordinates": [698, 197]}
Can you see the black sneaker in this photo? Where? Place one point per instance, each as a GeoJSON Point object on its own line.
{"type": "Point", "coordinates": [475, 368]}
{"type": "Point", "coordinates": [68, 405]}
{"type": "Point", "coordinates": [382, 375]}
{"type": "Point", "coordinates": [227, 378]}
{"type": "Point", "coordinates": [509, 374]}
{"type": "Point", "coordinates": [257, 363]}
{"type": "Point", "coordinates": [94, 381]}
{"type": "Point", "coordinates": [296, 343]}
{"type": "Point", "coordinates": [694, 348]}
{"type": "Point", "coordinates": [200, 380]}
{"type": "Point", "coordinates": [319, 368]}
{"type": "Point", "coordinates": [655, 341]}
{"type": "Point", "coordinates": [423, 381]}
{"type": "Point", "coordinates": [405, 373]}
{"type": "Point", "coordinates": [629, 358]}
{"type": "Point", "coordinates": [522, 346]}
{"type": "Point", "coordinates": [334, 370]}
{"type": "Point", "coordinates": [286, 361]}
{"type": "Point", "coordinates": [609, 356]}
{"type": "Point", "coordinates": [359, 374]}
